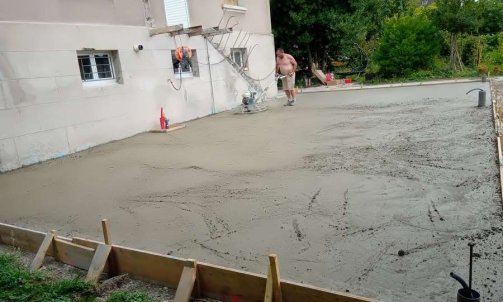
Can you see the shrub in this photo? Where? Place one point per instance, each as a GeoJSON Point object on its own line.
{"type": "Point", "coordinates": [482, 69]}
{"type": "Point", "coordinates": [408, 43]}
{"type": "Point", "coordinates": [494, 57]}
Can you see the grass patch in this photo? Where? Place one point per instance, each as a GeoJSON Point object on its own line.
{"type": "Point", "coordinates": [18, 284]}
{"type": "Point", "coordinates": [123, 296]}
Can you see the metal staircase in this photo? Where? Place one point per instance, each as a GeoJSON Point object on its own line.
{"type": "Point", "coordinates": [225, 51]}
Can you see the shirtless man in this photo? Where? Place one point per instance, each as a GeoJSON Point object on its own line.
{"type": "Point", "coordinates": [286, 65]}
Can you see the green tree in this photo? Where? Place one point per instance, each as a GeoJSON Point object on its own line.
{"type": "Point", "coordinates": [408, 43]}
{"type": "Point", "coordinates": [317, 30]}
{"type": "Point", "coordinates": [467, 17]}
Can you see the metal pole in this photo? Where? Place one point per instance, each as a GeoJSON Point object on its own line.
{"type": "Point", "coordinates": [233, 45]}
{"type": "Point", "coordinates": [211, 80]}
{"type": "Point", "coordinates": [471, 260]}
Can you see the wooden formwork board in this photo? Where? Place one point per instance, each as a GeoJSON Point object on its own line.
{"type": "Point", "coordinates": [496, 103]}
{"type": "Point", "coordinates": [213, 281]}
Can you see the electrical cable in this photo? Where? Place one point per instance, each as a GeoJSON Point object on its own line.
{"type": "Point", "coordinates": [181, 78]}
{"type": "Point", "coordinates": [180, 71]}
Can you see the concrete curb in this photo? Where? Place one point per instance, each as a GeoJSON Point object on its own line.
{"type": "Point", "coordinates": [394, 85]}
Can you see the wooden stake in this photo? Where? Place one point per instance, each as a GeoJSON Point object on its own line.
{"type": "Point", "coordinates": [187, 281]}
{"type": "Point", "coordinates": [276, 283]}
{"type": "Point", "coordinates": [42, 251]}
{"type": "Point", "coordinates": [268, 286]}
{"type": "Point", "coordinates": [106, 232]}
{"type": "Point", "coordinates": [98, 262]}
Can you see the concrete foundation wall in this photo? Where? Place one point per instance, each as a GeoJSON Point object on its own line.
{"type": "Point", "coordinates": [47, 112]}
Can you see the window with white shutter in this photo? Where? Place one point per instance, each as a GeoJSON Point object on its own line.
{"type": "Point", "coordinates": [177, 12]}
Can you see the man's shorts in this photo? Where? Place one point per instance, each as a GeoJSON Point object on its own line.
{"type": "Point", "coordinates": [289, 82]}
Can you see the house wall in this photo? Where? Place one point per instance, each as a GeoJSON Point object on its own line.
{"type": "Point", "coordinates": [46, 111]}
{"type": "Point", "coordinates": [251, 30]}
{"type": "Point", "coordinates": [119, 12]}
{"type": "Point", "coordinates": [209, 13]}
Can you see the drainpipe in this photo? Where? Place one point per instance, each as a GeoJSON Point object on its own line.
{"type": "Point", "coordinates": [211, 79]}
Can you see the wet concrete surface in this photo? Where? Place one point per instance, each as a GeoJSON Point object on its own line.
{"type": "Point", "coordinates": [336, 186]}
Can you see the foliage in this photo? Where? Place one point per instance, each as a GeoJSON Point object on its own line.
{"type": "Point", "coordinates": [456, 16]}
{"type": "Point", "coordinates": [123, 296]}
{"type": "Point", "coordinates": [324, 32]}
{"type": "Point", "coordinates": [490, 14]}
{"type": "Point", "coordinates": [494, 57]}
{"type": "Point", "coordinates": [467, 17]}
{"type": "Point", "coordinates": [408, 43]}
{"type": "Point", "coordinates": [18, 284]}
{"type": "Point", "coordinates": [315, 31]}
{"type": "Point", "coordinates": [483, 69]}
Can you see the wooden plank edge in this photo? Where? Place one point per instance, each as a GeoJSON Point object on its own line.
{"type": "Point", "coordinates": [497, 125]}
{"type": "Point", "coordinates": [72, 254]}
{"type": "Point", "coordinates": [172, 128]}
{"type": "Point", "coordinates": [165, 30]}
{"type": "Point", "coordinates": [292, 292]}
{"type": "Point", "coordinates": [20, 237]}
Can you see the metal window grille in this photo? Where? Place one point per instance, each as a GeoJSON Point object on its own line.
{"type": "Point", "coordinates": [96, 67]}
{"type": "Point", "coordinates": [239, 56]}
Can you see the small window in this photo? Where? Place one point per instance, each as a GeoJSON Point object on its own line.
{"type": "Point", "coordinates": [96, 67]}
{"type": "Point", "coordinates": [186, 68]}
{"type": "Point", "coordinates": [239, 57]}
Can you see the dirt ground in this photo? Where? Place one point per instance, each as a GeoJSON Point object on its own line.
{"type": "Point", "coordinates": [336, 186]}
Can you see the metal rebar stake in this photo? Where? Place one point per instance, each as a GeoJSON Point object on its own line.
{"type": "Point", "coordinates": [471, 260]}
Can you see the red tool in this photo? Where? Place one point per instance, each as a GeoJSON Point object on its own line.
{"type": "Point", "coordinates": [162, 119]}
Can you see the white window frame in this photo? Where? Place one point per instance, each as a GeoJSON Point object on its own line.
{"type": "Point", "coordinates": [94, 68]}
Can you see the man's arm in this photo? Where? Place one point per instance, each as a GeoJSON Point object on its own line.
{"type": "Point", "coordinates": [294, 63]}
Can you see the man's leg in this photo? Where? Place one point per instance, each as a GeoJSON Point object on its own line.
{"type": "Point", "coordinates": [292, 87]}
{"type": "Point", "coordinates": [288, 96]}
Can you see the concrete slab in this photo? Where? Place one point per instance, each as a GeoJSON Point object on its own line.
{"type": "Point", "coordinates": [336, 186]}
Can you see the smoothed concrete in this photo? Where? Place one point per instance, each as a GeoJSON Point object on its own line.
{"type": "Point", "coordinates": [336, 186]}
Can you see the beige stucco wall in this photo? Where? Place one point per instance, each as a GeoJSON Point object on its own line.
{"type": "Point", "coordinates": [47, 112]}
{"type": "Point", "coordinates": [123, 12]}
{"type": "Point", "coordinates": [209, 12]}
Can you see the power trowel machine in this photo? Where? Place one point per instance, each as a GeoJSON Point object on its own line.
{"type": "Point", "coordinates": [252, 101]}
